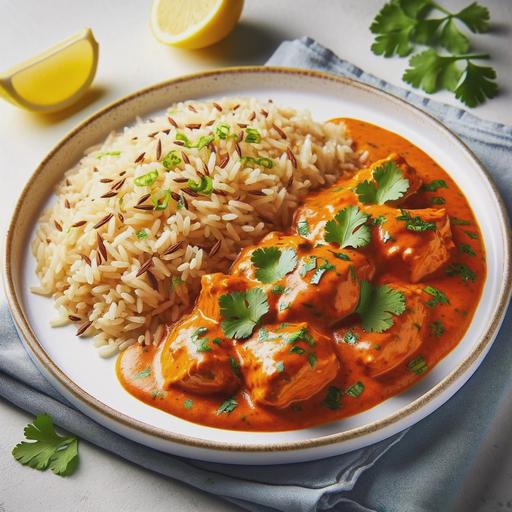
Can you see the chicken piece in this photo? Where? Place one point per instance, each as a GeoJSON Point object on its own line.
{"type": "Point", "coordinates": [420, 240]}
{"type": "Point", "coordinates": [282, 364]}
{"type": "Point", "coordinates": [196, 357]}
{"type": "Point", "coordinates": [318, 209]}
{"type": "Point", "coordinates": [382, 352]}
{"type": "Point", "coordinates": [323, 287]}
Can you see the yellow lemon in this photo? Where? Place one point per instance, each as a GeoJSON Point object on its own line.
{"type": "Point", "coordinates": [194, 23]}
{"type": "Point", "coordinates": [54, 79]}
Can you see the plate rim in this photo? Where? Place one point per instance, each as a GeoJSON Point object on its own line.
{"type": "Point", "coordinates": [32, 344]}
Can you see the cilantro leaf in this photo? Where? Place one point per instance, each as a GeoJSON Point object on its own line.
{"type": "Point", "coordinates": [377, 305]}
{"type": "Point", "coordinates": [348, 228]}
{"type": "Point", "coordinates": [394, 29]}
{"type": "Point", "coordinates": [416, 224]}
{"type": "Point", "coordinates": [391, 185]}
{"type": "Point", "coordinates": [434, 185]}
{"type": "Point", "coordinates": [227, 406]}
{"type": "Point", "coordinates": [273, 264]}
{"type": "Point", "coordinates": [438, 296]}
{"type": "Point", "coordinates": [241, 311]}
{"type": "Point", "coordinates": [459, 269]}
{"type": "Point", "coordinates": [431, 72]}
{"type": "Point", "coordinates": [50, 450]}
{"type": "Point", "coordinates": [475, 17]}
{"type": "Point", "coordinates": [477, 85]}
{"type": "Point", "coordinates": [332, 399]}
{"type": "Point", "coordinates": [453, 39]}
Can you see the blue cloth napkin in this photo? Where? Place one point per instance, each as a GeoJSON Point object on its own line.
{"type": "Point", "coordinates": [421, 470]}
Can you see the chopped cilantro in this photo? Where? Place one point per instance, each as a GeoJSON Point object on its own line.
{"type": "Point", "coordinates": [388, 184]}
{"type": "Point", "coordinates": [438, 297]}
{"type": "Point", "coordinates": [307, 264]}
{"type": "Point", "coordinates": [467, 249]}
{"type": "Point", "coordinates": [49, 449]}
{"type": "Point", "coordinates": [188, 404]}
{"type": "Point", "coordinates": [303, 228]}
{"type": "Point", "coordinates": [340, 255]}
{"type": "Point", "coordinates": [278, 289]}
{"type": "Point", "coordinates": [297, 350]}
{"type": "Point", "coordinates": [312, 359]}
{"type": "Point", "coordinates": [263, 334]}
{"type": "Point", "coordinates": [471, 235]}
{"type": "Point", "coordinates": [377, 305]}
{"type": "Point", "coordinates": [437, 200]}
{"type": "Point", "coordinates": [280, 366]}
{"type": "Point", "coordinates": [199, 341]}
{"type": "Point", "coordinates": [415, 223]}
{"type": "Point", "coordinates": [459, 269]}
{"type": "Point", "coordinates": [437, 328]}
{"type": "Point", "coordinates": [459, 222]}
{"type": "Point", "coordinates": [378, 221]}
{"type": "Point", "coordinates": [142, 234]}
{"type": "Point", "coordinates": [143, 373]}
{"type": "Point", "coordinates": [320, 271]}
{"type": "Point", "coordinates": [332, 399]}
{"type": "Point", "coordinates": [348, 228]}
{"type": "Point", "coordinates": [273, 264]}
{"type": "Point", "coordinates": [434, 185]}
{"type": "Point", "coordinates": [418, 365]}
{"type": "Point", "coordinates": [235, 365]}
{"type": "Point", "coordinates": [301, 335]}
{"type": "Point", "coordinates": [241, 311]}
{"type": "Point", "coordinates": [217, 341]}
{"type": "Point", "coordinates": [350, 338]}
{"type": "Point", "coordinates": [355, 390]}
{"type": "Point", "coordinates": [227, 406]}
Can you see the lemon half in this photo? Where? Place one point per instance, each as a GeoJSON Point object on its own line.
{"type": "Point", "coordinates": [54, 79]}
{"type": "Point", "coordinates": [194, 24]}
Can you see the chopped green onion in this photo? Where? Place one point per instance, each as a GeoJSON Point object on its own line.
{"type": "Point", "coordinates": [142, 234]}
{"type": "Point", "coordinates": [264, 162]}
{"type": "Point", "coordinates": [143, 373]}
{"type": "Point", "coordinates": [108, 153]}
{"type": "Point", "coordinates": [466, 248]}
{"type": "Point", "coordinates": [252, 136]}
{"type": "Point", "coordinates": [471, 235]}
{"type": "Point", "coordinates": [204, 186]}
{"type": "Point", "coordinates": [200, 144]}
{"type": "Point", "coordinates": [222, 131]}
{"type": "Point", "coordinates": [146, 180]}
{"type": "Point", "coordinates": [180, 204]}
{"type": "Point", "coordinates": [355, 390]}
{"type": "Point", "coordinates": [161, 200]}
{"type": "Point", "coordinates": [340, 255]}
{"type": "Point", "coordinates": [171, 160]}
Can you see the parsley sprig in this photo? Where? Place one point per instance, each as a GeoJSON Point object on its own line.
{"type": "Point", "coordinates": [48, 449]}
{"type": "Point", "coordinates": [402, 24]}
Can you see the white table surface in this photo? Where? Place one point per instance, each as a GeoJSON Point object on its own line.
{"type": "Point", "coordinates": [130, 58]}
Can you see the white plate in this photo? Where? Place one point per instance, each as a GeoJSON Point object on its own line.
{"type": "Point", "coordinates": [73, 366]}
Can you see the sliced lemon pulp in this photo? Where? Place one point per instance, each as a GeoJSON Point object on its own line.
{"type": "Point", "coordinates": [54, 79]}
{"type": "Point", "coordinates": [194, 24]}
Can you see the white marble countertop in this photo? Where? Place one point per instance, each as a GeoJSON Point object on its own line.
{"type": "Point", "coordinates": [130, 58]}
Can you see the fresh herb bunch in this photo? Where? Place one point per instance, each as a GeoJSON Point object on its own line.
{"type": "Point", "coordinates": [402, 24]}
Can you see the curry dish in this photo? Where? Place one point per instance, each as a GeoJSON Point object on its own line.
{"type": "Point", "coordinates": [375, 282]}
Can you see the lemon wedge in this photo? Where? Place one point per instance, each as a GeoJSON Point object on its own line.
{"type": "Point", "coordinates": [196, 24]}
{"type": "Point", "coordinates": [54, 79]}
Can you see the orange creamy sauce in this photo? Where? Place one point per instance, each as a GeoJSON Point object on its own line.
{"type": "Point", "coordinates": [136, 366]}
